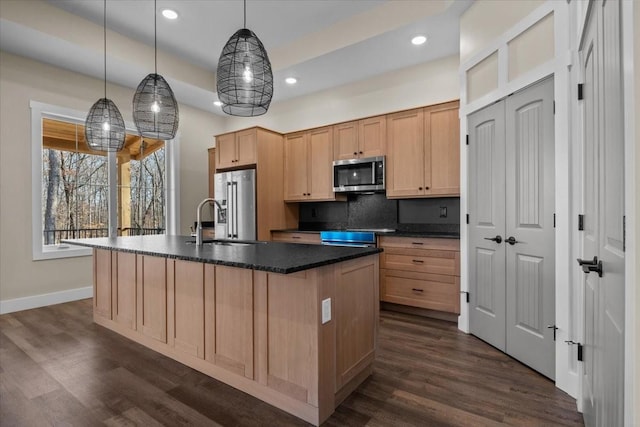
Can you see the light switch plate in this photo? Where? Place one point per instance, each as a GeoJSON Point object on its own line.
{"type": "Point", "coordinates": [326, 310]}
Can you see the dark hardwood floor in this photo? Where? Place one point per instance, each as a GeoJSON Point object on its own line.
{"type": "Point", "coordinates": [59, 368]}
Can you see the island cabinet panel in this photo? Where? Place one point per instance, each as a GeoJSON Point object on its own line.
{"type": "Point", "coordinates": [357, 318]}
{"type": "Point", "coordinates": [152, 297]}
{"type": "Point", "coordinates": [186, 306]}
{"type": "Point", "coordinates": [233, 345]}
{"type": "Point", "coordinates": [124, 288]}
{"type": "Point", "coordinates": [292, 358]}
{"type": "Point", "coordinates": [102, 270]}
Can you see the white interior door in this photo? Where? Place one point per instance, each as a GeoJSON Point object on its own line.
{"type": "Point", "coordinates": [530, 243]}
{"type": "Point", "coordinates": [487, 225]}
{"type": "Point", "coordinates": [603, 198]}
{"type": "Point", "coordinates": [511, 226]}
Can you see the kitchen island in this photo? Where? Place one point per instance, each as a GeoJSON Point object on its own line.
{"type": "Point", "coordinates": [293, 325]}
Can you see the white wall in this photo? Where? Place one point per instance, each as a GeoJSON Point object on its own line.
{"type": "Point", "coordinates": [23, 80]}
{"type": "Point", "coordinates": [429, 83]}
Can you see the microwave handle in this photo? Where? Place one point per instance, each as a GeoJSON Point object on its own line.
{"type": "Point", "coordinates": [373, 172]}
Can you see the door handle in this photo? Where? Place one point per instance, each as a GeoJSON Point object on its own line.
{"type": "Point", "coordinates": [591, 265]}
{"type": "Point", "coordinates": [497, 239]}
{"type": "Point", "coordinates": [511, 240]}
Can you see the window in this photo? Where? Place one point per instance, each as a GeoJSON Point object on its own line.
{"type": "Point", "coordinates": [74, 186]}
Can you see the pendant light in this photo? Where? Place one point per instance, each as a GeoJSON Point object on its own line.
{"type": "Point", "coordinates": [244, 77]}
{"type": "Point", "coordinates": [104, 128]}
{"type": "Point", "coordinates": [155, 109]}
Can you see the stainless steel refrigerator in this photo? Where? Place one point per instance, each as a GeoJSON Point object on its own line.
{"type": "Point", "coordinates": [236, 193]}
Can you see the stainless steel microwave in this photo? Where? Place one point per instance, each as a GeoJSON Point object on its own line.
{"type": "Point", "coordinates": [356, 175]}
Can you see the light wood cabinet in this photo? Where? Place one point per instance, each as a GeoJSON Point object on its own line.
{"type": "Point", "coordinates": [186, 306]}
{"type": "Point", "coordinates": [124, 288]}
{"type": "Point", "coordinates": [152, 297]}
{"type": "Point", "coordinates": [236, 149]}
{"type": "Point", "coordinates": [102, 283]}
{"type": "Point", "coordinates": [423, 152]}
{"type": "Point", "coordinates": [420, 272]}
{"type": "Point", "coordinates": [308, 165]}
{"type": "Point", "coordinates": [264, 149]}
{"type": "Point", "coordinates": [360, 138]}
{"type": "Point", "coordinates": [296, 237]}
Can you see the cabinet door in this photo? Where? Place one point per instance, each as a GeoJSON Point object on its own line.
{"type": "Point", "coordinates": [188, 307]}
{"type": "Point", "coordinates": [432, 291]}
{"type": "Point", "coordinates": [442, 154]}
{"type": "Point", "coordinates": [295, 167]}
{"type": "Point", "coordinates": [372, 136]}
{"type": "Point", "coordinates": [152, 297]}
{"type": "Point", "coordinates": [212, 171]}
{"type": "Point", "coordinates": [405, 163]}
{"type": "Point", "coordinates": [321, 164]}
{"type": "Point", "coordinates": [124, 289]}
{"type": "Point", "coordinates": [226, 150]}
{"type": "Point", "coordinates": [246, 147]}
{"type": "Point", "coordinates": [293, 237]}
{"type": "Point", "coordinates": [234, 320]}
{"type": "Point", "coordinates": [102, 283]}
{"type": "Point", "coordinates": [345, 141]}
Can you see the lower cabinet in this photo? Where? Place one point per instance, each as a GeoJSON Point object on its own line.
{"type": "Point", "coordinates": [152, 297]}
{"type": "Point", "coordinates": [186, 303]}
{"type": "Point", "coordinates": [421, 272]}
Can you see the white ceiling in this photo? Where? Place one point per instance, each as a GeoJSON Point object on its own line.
{"type": "Point", "coordinates": [323, 43]}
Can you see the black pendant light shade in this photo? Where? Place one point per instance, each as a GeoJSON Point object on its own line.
{"type": "Point", "coordinates": [244, 78]}
{"type": "Point", "coordinates": [104, 128]}
{"type": "Point", "coordinates": [155, 109]}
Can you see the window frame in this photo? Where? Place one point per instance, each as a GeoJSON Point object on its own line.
{"type": "Point", "coordinates": [40, 111]}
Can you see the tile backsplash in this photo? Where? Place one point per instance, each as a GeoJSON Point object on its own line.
{"type": "Point", "coordinates": [376, 211]}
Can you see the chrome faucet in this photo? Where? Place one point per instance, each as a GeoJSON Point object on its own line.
{"type": "Point", "coordinates": [199, 222]}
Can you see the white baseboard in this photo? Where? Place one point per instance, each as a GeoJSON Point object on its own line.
{"type": "Point", "coordinates": [35, 301]}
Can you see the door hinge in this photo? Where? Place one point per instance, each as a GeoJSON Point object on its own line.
{"type": "Point", "coordinates": [555, 328]}
{"type": "Point", "coordinates": [554, 107]}
{"type": "Point", "coordinates": [466, 295]}
{"type": "Point", "coordinates": [467, 139]}
{"type": "Point", "coordinates": [554, 220]}
{"type": "Point", "coordinates": [580, 222]}
{"type": "Point", "coordinates": [580, 94]}
{"type": "Point", "coordinates": [467, 218]}
{"type": "Point", "coordinates": [624, 233]}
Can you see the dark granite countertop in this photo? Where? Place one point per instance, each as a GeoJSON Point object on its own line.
{"type": "Point", "coordinates": [275, 257]}
{"type": "Point", "coordinates": [398, 233]}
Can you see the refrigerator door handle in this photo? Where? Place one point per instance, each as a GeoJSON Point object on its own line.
{"type": "Point", "coordinates": [229, 211]}
{"type": "Point", "coordinates": [235, 209]}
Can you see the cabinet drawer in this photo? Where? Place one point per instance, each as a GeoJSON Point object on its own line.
{"type": "Point", "coordinates": [419, 243]}
{"type": "Point", "coordinates": [293, 237]}
{"type": "Point", "coordinates": [432, 291]}
{"type": "Point", "coordinates": [423, 261]}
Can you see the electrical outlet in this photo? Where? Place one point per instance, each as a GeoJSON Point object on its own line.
{"type": "Point", "coordinates": [326, 310]}
{"type": "Point", "coordinates": [443, 211]}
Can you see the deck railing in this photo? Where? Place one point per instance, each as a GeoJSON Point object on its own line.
{"type": "Point", "coordinates": [53, 237]}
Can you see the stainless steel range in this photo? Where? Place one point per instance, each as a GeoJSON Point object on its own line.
{"type": "Point", "coordinates": [358, 239]}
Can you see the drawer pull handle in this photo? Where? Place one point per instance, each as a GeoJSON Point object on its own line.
{"type": "Point", "coordinates": [417, 290]}
{"type": "Point", "coordinates": [417, 243]}
{"type": "Point", "coordinates": [295, 237]}
{"type": "Point", "coordinates": [419, 261]}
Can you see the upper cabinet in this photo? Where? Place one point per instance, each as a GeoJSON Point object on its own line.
{"type": "Point", "coordinates": [236, 149]}
{"type": "Point", "coordinates": [424, 152]}
{"type": "Point", "coordinates": [308, 165]}
{"type": "Point", "coordinates": [360, 138]}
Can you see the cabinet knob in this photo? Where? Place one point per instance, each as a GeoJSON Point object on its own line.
{"type": "Point", "coordinates": [360, 152]}
{"type": "Point", "coordinates": [420, 188]}
{"type": "Point", "coordinates": [426, 188]}
{"type": "Point", "coordinates": [355, 153]}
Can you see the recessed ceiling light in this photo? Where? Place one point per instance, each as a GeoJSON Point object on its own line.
{"type": "Point", "coordinates": [169, 13]}
{"type": "Point", "coordinates": [418, 40]}
{"type": "Point", "coordinates": [291, 80]}
{"type": "Point", "coordinates": [217, 103]}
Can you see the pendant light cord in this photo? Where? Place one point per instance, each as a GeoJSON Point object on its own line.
{"type": "Point", "coordinates": [104, 26]}
{"type": "Point", "coordinates": [155, 35]}
{"type": "Point", "coordinates": [245, 14]}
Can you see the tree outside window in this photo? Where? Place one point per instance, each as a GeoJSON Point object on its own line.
{"type": "Point", "coordinates": [75, 185]}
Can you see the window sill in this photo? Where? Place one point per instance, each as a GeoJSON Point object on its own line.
{"type": "Point", "coordinates": [60, 251]}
